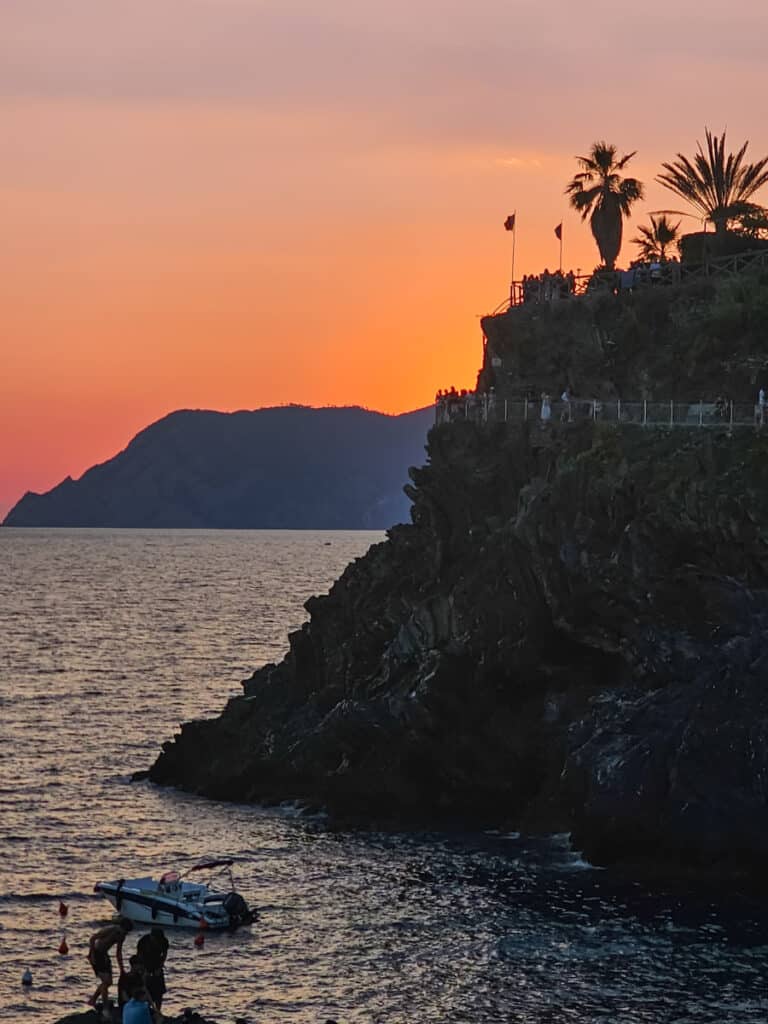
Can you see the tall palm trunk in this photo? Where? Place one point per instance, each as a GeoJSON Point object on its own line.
{"type": "Point", "coordinates": [607, 229]}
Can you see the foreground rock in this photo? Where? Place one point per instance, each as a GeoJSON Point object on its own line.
{"type": "Point", "coordinates": [91, 1017]}
{"type": "Point", "coordinates": [571, 634]}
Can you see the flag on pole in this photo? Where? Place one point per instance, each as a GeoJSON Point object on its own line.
{"type": "Point", "coordinates": [509, 223]}
{"type": "Point", "coordinates": [559, 232]}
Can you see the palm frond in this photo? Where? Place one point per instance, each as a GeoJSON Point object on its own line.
{"type": "Point", "coordinates": [714, 180]}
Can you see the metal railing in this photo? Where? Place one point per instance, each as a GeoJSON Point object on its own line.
{"type": "Point", "coordinates": [550, 288]}
{"type": "Point", "coordinates": [488, 408]}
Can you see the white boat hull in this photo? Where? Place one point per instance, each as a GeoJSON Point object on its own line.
{"type": "Point", "coordinates": [145, 901]}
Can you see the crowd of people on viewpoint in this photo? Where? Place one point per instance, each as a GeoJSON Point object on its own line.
{"type": "Point", "coordinates": [550, 286]}
{"type": "Point", "coordinates": [451, 405]}
{"type": "Point", "coordinates": [141, 988]}
{"type": "Point", "coordinates": [545, 287]}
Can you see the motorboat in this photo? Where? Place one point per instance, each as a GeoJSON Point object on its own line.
{"type": "Point", "coordinates": [176, 900]}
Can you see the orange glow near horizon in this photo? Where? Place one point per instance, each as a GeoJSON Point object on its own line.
{"type": "Point", "coordinates": [181, 232]}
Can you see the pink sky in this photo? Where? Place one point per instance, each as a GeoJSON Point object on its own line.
{"type": "Point", "coordinates": [236, 203]}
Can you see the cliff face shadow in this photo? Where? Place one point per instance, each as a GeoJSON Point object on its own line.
{"type": "Point", "coordinates": [568, 634]}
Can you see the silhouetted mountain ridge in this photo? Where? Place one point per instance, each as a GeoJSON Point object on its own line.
{"type": "Point", "coordinates": [284, 467]}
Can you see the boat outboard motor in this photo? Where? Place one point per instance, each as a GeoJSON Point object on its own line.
{"type": "Point", "coordinates": [236, 907]}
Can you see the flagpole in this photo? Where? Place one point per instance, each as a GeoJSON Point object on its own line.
{"type": "Point", "coordinates": [514, 239]}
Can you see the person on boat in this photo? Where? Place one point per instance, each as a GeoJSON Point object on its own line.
{"type": "Point", "coordinates": [137, 1009]}
{"type": "Point", "coordinates": [152, 950]}
{"type": "Point", "coordinates": [98, 956]}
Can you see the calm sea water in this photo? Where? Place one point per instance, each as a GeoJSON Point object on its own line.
{"type": "Point", "coordinates": [109, 639]}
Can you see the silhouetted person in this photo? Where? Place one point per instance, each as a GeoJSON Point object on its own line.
{"type": "Point", "coordinates": [126, 983]}
{"type": "Point", "coordinates": [98, 957]}
{"type": "Point", "coordinates": [152, 950]}
{"type": "Point", "coordinates": [136, 1010]}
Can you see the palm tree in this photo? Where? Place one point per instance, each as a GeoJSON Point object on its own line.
{"type": "Point", "coordinates": [718, 186]}
{"type": "Point", "coordinates": [599, 189]}
{"type": "Point", "coordinates": [654, 241]}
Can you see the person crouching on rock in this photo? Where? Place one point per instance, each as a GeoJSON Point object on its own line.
{"type": "Point", "coordinates": [98, 957]}
{"type": "Point", "coordinates": [126, 983]}
{"type": "Point", "coordinates": [136, 1010]}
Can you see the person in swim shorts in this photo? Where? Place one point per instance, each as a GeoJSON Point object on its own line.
{"type": "Point", "coordinates": [98, 957]}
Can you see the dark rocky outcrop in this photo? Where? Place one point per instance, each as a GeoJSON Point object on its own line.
{"type": "Point", "coordinates": [703, 339]}
{"type": "Point", "coordinates": [571, 633]}
{"type": "Point", "coordinates": [92, 1017]}
{"type": "Point", "coordinates": [289, 467]}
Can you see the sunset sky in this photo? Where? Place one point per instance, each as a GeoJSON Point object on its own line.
{"type": "Point", "coordinates": [228, 204]}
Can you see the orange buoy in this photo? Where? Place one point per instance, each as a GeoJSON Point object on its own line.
{"type": "Point", "coordinates": [63, 947]}
{"type": "Point", "coordinates": [63, 908]}
{"type": "Point", "coordinates": [199, 939]}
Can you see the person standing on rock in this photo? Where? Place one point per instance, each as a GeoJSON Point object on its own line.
{"type": "Point", "coordinates": [98, 957]}
{"type": "Point", "coordinates": [152, 950]}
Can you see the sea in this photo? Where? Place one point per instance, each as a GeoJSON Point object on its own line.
{"type": "Point", "coordinates": [108, 640]}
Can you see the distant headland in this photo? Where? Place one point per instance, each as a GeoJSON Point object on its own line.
{"type": "Point", "coordinates": [285, 467]}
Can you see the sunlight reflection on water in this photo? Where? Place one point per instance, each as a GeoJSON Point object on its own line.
{"type": "Point", "coordinates": [109, 640]}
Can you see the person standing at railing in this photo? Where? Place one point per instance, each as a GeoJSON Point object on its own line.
{"type": "Point", "coordinates": [760, 417]}
{"type": "Point", "coordinates": [546, 408]}
{"type": "Point", "coordinates": [491, 406]}
{"type": "Point", "coordinates": [565, 415]}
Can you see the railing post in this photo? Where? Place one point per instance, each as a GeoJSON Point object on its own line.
{"type": "Point", "coordinates": [645, 411]}
{"type": "Point", "coordinates": [701, 412]}
{"type": "Point", "coordinates": [671, 412]}
{"type": "Point", "coordinates": [594, 409]}
{"type": "Point", "coordinates": [505, 410]}
{"type": "Point", "coordinates": [730, 419]}
{"type": "Point", "coordinates": [618, 410]}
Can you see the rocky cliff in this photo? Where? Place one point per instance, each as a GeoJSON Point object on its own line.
{"type": "Point", "coordinates": [288, 467]}
{"type": "Point", "coordinates": [570, 633]}
{"type": "Point", "coordinates": [92, 1017]}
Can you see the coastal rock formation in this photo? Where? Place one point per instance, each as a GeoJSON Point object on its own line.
{"type": "Point", "coordinates": [570, 634]}
{"type": "Point", "coordinates": [92, 1017]}
{"type": "Point", "coordinates": [290, 467]}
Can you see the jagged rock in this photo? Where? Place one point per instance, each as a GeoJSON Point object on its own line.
{"type": "Point", "coordinates": [91, 1017]}
{"type": "Point", "coordinates": [570, 633]}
